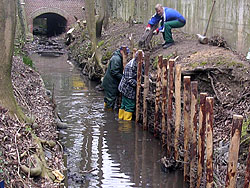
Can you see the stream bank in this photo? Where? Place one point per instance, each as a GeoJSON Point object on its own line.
{"type": "Point", "coordinates": [221, 72]}
{"type": "Point", "coordinates": [101, 150]}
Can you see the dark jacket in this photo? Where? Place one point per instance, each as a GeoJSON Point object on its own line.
{"type": "Point", "coordinates": [113, 74]}
{"type": "Point", "coordinates": [128, 83]}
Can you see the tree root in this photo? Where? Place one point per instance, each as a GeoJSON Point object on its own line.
{"type": "Point", "coordinates": [41, 169]}
{"type": "Point", "coordinates": [34, 172]}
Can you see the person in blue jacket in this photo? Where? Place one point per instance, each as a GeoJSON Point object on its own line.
{"type": "Point", "coordinates": [169, 18]}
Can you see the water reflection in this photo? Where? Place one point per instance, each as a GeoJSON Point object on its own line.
{"type": "Point", "coordinates": [102, 151]}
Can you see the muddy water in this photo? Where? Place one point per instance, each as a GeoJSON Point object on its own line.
{"type": "Point", "coordinates": [102, 151]}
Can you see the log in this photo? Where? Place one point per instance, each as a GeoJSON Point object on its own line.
{"type": "Point", "coordinates": [247, 177]}
{"type": "Point", "coordinates": [170, 107]}
{"type": "Point", "coordinates": [209, 125]}
{"type": "Point", "coordinates": [158, 93]}
{"type": "Point", "coordinates": [138, 88]}
{"type": "Point", "coordinates": [187, 100]}
{"type": "Point", "coordinates": [201, 137]}
{"type": "Point", "coordinates": [234, 151]}
{"type": "Point", "coordinates": [177, 108]}
{"type": "Point", "coordinates": [164, 98]}
{"type": "Point", "coordinates": [193, 129]}
{"type": "Point", "coordinates": [145, 91]}
{"type": "Point", "coordinates": [146, 37]}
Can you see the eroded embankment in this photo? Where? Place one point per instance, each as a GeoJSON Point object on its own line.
{"type": "Point", "coordinates": [220, 72]}
{"type": "Point", "coordinates": [24, 161]}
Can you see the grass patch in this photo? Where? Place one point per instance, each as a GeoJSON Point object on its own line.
{"type": "Point", "coordinates": [101, 43]}
{"type": "Point", "coordinates": [28, 61]}
{"type": "Point", "coordinates": [107, 56]}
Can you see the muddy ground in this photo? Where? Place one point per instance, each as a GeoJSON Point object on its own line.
{"type": "Point", "coordinates": [18, 145]}
{"type": "Point", "coordinates": [220, 71]}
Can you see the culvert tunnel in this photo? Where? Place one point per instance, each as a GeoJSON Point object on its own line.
{"type": "Point", "coordinates": [49, 24]}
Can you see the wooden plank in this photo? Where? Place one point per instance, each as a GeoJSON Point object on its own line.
{"type": "Point", "coordinates": [209, 149]}
{"type": "Point", "coordinates": [193, 129]}
{"type": "Point", "coordinates": [234, 151]}
{"type": "Point", "coordinates": [164, 98]}
{"type": "Point", "coordinates": [170, 107]}
{"type": "Point", "coordinates": [145, 91]}
{"type": "Point", "coordinates": [138, 88]}
{"type": "Point", "coordinates": [201, 137]}
{"type": "Point", "coordinates": [177, 109]}
{"type": "Point", "coordinates": [158, 93]}
{"type": "Point", "coordinates": [187, 101]}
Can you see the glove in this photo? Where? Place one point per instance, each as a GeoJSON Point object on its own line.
{"type": "Point", "coordinates": [155, 32]}
{"type": "Point", "coordinates": [148, 27]}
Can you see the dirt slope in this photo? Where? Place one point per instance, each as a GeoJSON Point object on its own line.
{"type": "Point", "coordinates": [221, 72]}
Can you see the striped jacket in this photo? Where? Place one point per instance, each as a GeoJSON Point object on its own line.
{"type": "Point", "coordinates": [128, 82]}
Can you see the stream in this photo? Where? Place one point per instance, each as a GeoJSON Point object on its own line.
{"type": "Point", "coordinates": [101, 150]}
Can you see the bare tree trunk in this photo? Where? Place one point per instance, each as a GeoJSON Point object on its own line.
{"type": "Point", "coordinates": [91, 26]}
{"type": "Point", "coordinates": [7, 33]}
{"type": "Point", "coordinates": [102, 18]}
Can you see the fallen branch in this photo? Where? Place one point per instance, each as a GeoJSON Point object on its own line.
{"type": "Point", "coordinates": [212, 84]}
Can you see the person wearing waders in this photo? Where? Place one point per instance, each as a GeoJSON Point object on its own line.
{"type": "Point", "coordinates": [169, 18]}
{"type": "Point", "coordinates": [112, 78]}
{"type": "Point", "coordinates": [127, 87]}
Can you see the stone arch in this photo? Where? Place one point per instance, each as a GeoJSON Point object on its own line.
{"type": "Point", "coordinates": [43, 10]}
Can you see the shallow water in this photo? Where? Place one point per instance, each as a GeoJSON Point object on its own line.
{"type": "Point", "coordinates": [102, 151]}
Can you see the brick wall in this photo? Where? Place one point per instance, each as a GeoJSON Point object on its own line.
{"type": "Point", "coordinates": [66, 8]}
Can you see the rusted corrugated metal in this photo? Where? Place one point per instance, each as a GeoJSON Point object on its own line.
{"type": "Point", "coordinates": [187, 101]}
{"type": "Point", "coordinates": [234, 151]}
{"type": "Point", "coordinates": [201, 137]}
{"type": "Point", "coordinates": [158, 93]}
{"type": "Point", "coordinates": [209, 148]}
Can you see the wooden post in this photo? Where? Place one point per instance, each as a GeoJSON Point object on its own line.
{"type": "Point", "coordinates": [193, 129]}
{"type": "Point", "coordinates": [247, 176]}
{"type": "Point", "coordinates": [177, 108]}
{"type": "Point", "coordinates": [234, 151]}
{"type": "Point", "coordinates": [164, 98]}
{"type": "Point", "coordinates": [201, 137]}
{"type": "Point", "coordinates": [209, 149]}
{"type": "Point", "coordinates": [187, 100]}
{"type": "Point", "coordinates": [157, 94]}
{"type": "Point", "coordinates": [170, 107]}
{"type": "Point", "coordinates": [145, 91]}
{"type": "Point", "coordinates": [134, 51]}
{"type": "Point", "coordinates": [138, 88]}
{"type": "Point", "coordinates": [124, 56]}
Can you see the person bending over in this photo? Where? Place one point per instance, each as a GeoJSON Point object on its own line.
{"type": "Point", "coordinates": [112, 78]}
{"type": "Point", "coordinates": [169, 18]}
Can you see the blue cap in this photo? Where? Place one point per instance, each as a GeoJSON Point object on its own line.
{"type": "Point", "coordinates": [127, 49]}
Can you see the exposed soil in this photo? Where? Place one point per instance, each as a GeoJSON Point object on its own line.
{"type": "Point", "coordinates": [17, 141]}
{"type": "Point", "coordinates": [221, 72]}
